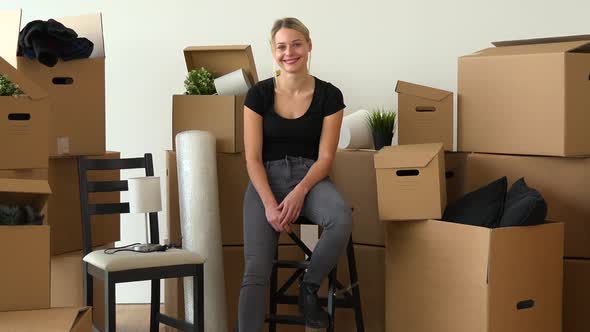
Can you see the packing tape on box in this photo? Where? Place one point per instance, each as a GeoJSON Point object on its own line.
{"type": "Point", "coordinates": [355, 132]}
{"type": "Point", "coordinates": [200, 225]}
{"type": "Point", "coordinates": [235, 83]}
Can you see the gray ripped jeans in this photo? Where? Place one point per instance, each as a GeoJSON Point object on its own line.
{"type": "Point", "coordinates": [323, 205]}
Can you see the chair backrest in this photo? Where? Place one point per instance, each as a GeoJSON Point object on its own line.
{"type": "Point", "coordinates": [86, 164]}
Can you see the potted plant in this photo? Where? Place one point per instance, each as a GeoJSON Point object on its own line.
{"type": "Point", "coordinates": [382, 124]}
{"type": "Point", "coordinates": [7, 88]}
{"type": "Point", "coordinates": [199, 82]}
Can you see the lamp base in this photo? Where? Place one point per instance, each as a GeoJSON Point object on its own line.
{"type": "Point", "coordinates": [149, 247]}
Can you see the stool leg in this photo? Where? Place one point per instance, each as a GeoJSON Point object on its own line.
{"type": "Point", "coordinates": [356, 293]}
{"type": "Point", "coordinates": [332, 299]}
{"type": "Point", "coordinates": [272, 324]}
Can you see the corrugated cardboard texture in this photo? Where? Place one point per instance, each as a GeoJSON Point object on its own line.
{"type": "Point", "coordinates": [233, 261]}
{"type": "Point", "coordinates": [530, 102]}
{"type": "Point", "coordinates": [437, 277]}
{"type": "Point", "coordinates": [24, 281]}
{"type": "Point", "coordinates": [232, 180]}
{"type": "Point", "coordinates": [353, 174]}
{"type": "Point", "coordinates": [223, 116]}
{"type": "Point", "coordinates": [563, 182]}
{"type": "Point", "coordinates": [425, 115]}
{"type": "Point", "coordinates": [416, 196]}
{"type": "Point", "coordinates": [455, 169]}
{"type": "Point", "coordinates": [576, 294]}
{"type": "Point", "coordinates": [67, 285]}
{"type": "Point", "coordinates": [526, 263]}
{"type": "Point", "coordinates": [221, 60]}
{"type": "Point", "coordinates": [58, 319]}
{"type": "Point", "coordinates": [370, 264]}
{"type": "Point", "coordinates": [64, 214]}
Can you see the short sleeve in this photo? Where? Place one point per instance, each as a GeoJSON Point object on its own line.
{"type": "Point", "coordinates": [254, 100]}
{"type": "Point", "coordinates": [334, 100]}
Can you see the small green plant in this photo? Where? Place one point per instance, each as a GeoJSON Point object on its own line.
{"type": "Point", "coordinates": [7, 88]}
{"type": "Point", "coordinates": [199, 82]}
{"type": "Point", "coordinates": [381, 121]}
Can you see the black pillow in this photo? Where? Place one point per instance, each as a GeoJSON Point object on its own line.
{"type": "Point", "coordinates": [483, 207]}
{"type": "Point", "coordinates": [524, 206]}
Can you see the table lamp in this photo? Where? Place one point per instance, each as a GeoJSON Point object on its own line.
{"type": "Point", "coordinates": [145, 197]}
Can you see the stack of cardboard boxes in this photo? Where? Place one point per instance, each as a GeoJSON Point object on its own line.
{"type": "Point", "coordinates": [223, 117]}
{"type": "Point", "coordinates": [61, 117]}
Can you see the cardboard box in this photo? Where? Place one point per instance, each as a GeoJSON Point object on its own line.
{"type": "Point", "coordinates": [425, 115]}
{"type": "Point", "coordinates": [411, 182]}
{"type": "Point", "coordinates": [223, 116]}
{"type": "Point", "coordinates": [24, 250]}
{"type": "Point", "coordinates": [67, 285]}
{"type": "Point", "coordinates": [526, 97]}
{"type": "Point", "coordinates": [24, 120]}
{"type": "Point", "coordinates": [25, 174]}
{"type": "Point", "coordinates": [232, 181]}
{"type": "Point", "coordinates": [76, 89]}
{"type": "Point", "coordinates": [233, 261]}
{"type": "Point", "coordinates": [445, 277]}
{"type": "Point", "coordinates": [576, 293]}
{"type": "Point", "coordinates": [563, 182]}
{"type": "Point", "coordinates": [58, 319]}
{"type": "Point", "coordinates": [64, 214]}
{"type": "Point", "coordinates": [455, 169]}
{"type": "Point", "coordinates": [370, 265]}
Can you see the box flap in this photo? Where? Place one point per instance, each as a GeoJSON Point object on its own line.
{"type": "Point", "coordinates": [421, 91]}
{"type": "Point", "coordinates": [56, 319]}
{"type": "Point", "coordinates": [24, 192]}
{"type": "Point", "coordinates": [580, 44]}
{"type": "Point", "coordinates": [88, 26]}
{"type": "Point", "coordinates": [546, 40]}
{"type": "Point", "coordinates": [9, 30]}
{"type": "Point", "coordinates": [407, 156]}
{"type": "Point", "coordinates": [221, 60]}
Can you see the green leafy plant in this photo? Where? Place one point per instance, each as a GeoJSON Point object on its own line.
{"type": "Point", "coordinates": [381, 121]}
{"type": "Point", "coordinates": [199, 82]}
{"type": "Point", "coordinates": [7, 88]}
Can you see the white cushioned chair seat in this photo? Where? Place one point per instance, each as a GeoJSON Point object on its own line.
{"type": "Point", "coordinates": [128, 260]}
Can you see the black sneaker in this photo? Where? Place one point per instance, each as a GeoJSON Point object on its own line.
{"type": "Point", "coordinates": [315, 316]}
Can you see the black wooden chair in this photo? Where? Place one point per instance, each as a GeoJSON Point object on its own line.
{"type": "Point", "coordinates": [339, 296]}
{"type": "Point", "coordinates": [127, 266]}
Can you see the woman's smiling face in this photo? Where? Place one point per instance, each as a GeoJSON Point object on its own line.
{"type": "Point", "coordinates": [291, 50]}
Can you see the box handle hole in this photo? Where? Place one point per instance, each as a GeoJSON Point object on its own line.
{"type": "Point", "coordinates": [19, 117]}
{"type": "Point", "coordinates": [62, 81]}
{"type": "Point", "coordinates": [407, 172]}
{"type": "Point", "coordinates": [425, 109]}
{"type": "Point", "coordinates": [526, 304]}
{"type": "Point", "coordinates": [449, 175]}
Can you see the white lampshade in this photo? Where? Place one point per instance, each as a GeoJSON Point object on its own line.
{"type": "Point", "coordinates": [144, 194]}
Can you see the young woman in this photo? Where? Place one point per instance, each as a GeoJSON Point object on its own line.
{"type": "Point", "coordinates": [291, 129]}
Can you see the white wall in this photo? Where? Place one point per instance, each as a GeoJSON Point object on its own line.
{"type": "Point", "coordinates": [363, 47]}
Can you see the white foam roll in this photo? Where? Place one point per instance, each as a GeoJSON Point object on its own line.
{"type": "Point", "coordinates": [200, 225]}
{"type": "Point", "coordinates": [235, 83]}
{"type": "Point", "coordinates": [355, 132]}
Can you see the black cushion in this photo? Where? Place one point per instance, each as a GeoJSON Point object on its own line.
{"type": "Point", "coordinates": [483, 207]}
{"type": "Point", "coordinates": [524, 206]}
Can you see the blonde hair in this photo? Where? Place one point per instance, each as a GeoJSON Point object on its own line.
{"type": "Point", "coordinates": [288, 23]}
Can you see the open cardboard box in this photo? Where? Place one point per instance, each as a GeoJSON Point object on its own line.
{"type": "Point", "coordinates": [24, 250]}
{"type": "Point", "coordinates": [526, 97]}
{"type": "Point", "coordinates": [76, 88]}
{"type": "Point", "coordinates": [24, 120]}
{"type": "Point", "coordinates": [57, 319]}
{"type": "Point", "coordinates": [449, 277]}
{"type": "Point", "coordinates": [411, 182]}
{"type": "Point", "coordinates": [425, 115]}
{"type": "Point", "coordinates": [223, 116]}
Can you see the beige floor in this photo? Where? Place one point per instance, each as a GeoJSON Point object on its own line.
{"type": "Point", "coordinates": [134, 318]}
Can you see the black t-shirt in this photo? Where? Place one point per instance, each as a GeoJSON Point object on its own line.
{"type": "Point", "coordinates": [299, 137]}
